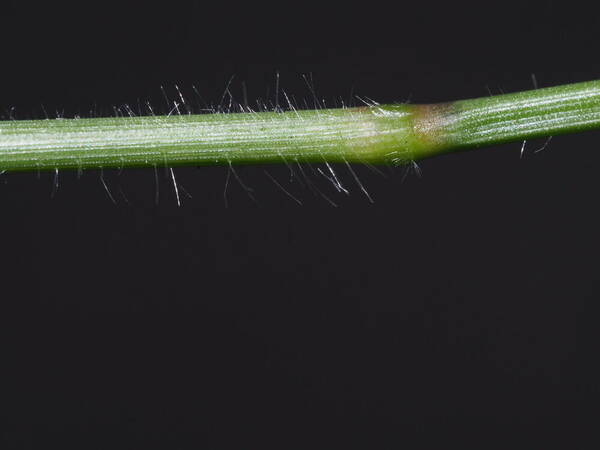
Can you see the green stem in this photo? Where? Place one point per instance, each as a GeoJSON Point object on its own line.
{"type": "Point", "coordinates": [374, 134]}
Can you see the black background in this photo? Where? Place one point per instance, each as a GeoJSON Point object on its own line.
{"type": "Point", "coordinates": [460, 309]}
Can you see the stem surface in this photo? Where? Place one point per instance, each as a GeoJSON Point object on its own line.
{"type": "Point", "coordinates": [374, 134]}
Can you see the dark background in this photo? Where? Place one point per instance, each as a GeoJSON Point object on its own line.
{"type": "Point", "coordinates": [460, 309]}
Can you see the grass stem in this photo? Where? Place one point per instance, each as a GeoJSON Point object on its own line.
{"type": "Point", "coordinates": [371, 134]}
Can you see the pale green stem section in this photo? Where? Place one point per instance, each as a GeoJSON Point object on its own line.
{"type": "Point", "coordinates": [351, 135]}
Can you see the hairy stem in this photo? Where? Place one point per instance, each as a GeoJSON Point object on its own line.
{"type": "Point", "coordinates": [373, 134]}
